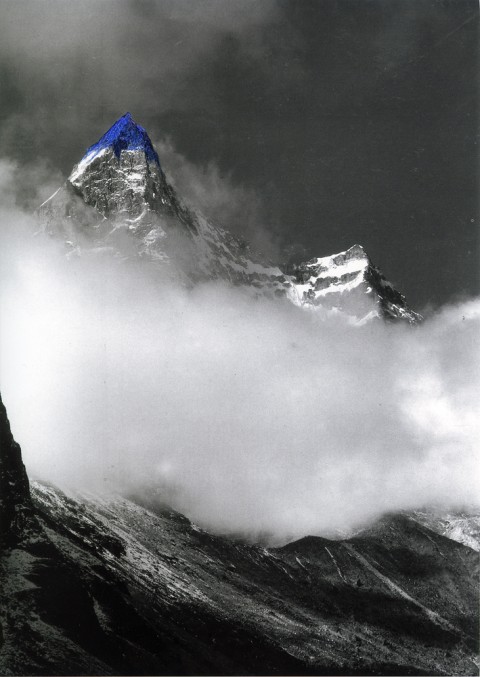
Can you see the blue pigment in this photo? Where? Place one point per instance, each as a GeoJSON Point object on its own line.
{"type": "Point", "coordinates": [125, 134]}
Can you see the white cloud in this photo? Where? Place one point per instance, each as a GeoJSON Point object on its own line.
{"type": "Point", "coordinates": [250, 415]}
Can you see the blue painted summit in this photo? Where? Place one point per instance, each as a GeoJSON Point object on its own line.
{"type": "Point", "coordinates": [125, 134]}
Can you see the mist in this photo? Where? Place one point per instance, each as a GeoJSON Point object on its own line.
{"type": "Point", "coordinates": [224, 201]}
{"type": "Point", "coordinates": [248, 415]}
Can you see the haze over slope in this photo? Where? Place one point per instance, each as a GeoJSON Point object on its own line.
{"type": "Point", "coordinates": [250, 415]}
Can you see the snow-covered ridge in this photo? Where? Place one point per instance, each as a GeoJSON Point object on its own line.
{"type": "Point", "coordinates": [351, 260]}
{"type": "Point", "coordinates": [336, 273]}
{"type": "Point", "coordinates": [119, 187]}
{"type": "Point", "coordinates": [337, 279]}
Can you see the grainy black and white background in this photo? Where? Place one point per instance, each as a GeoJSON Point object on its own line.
{"type": "Point", "coordinates": [327, 122]}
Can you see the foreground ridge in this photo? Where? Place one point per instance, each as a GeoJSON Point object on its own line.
{"type": "Point", "coordinates": [129, 586]}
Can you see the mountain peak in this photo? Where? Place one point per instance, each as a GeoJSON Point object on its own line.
{"type": "Point", "coordinates": [328, 279]}
{"type": "Point", "coordinates": [125, 134]}
{"type": "Point", "coordinates": [356, 251]}
{"type": "Point", "coordinates": [121, 173]}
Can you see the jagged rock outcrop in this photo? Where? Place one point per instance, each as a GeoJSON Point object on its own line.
{"type": "Point", "coordinates": [15, 501]}
{"type": "Point", "coordinates": [346, 279]}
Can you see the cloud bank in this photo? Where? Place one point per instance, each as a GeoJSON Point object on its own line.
{"type": "Point", "coordinates": [248, 415]}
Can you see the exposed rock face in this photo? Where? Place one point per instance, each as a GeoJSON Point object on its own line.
{"type": "Point", "coordinates": [15, 501]}
{"type": "Point", "coordinates": [120, 175]}
{"type": "Point", "coordinates": [343, 280]}
{"type": "Point", "coordinates": [119, 190]}
{"type": "Point", "coordinates": [131, 184]}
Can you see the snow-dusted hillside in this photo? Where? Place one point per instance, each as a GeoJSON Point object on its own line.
{"type": "Point", "coordinates": [106, 585]}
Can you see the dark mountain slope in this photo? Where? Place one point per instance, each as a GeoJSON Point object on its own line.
{"type": "Point", "coordinates": [101, 585]}
{"type": "Point", "coordinates": [111, 587]}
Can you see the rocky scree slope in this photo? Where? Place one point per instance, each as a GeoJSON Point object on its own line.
{"type": "Point", "coordinates": [118, 193]}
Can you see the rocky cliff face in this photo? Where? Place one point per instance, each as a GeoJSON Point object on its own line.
{"type": "Point", "coordinates": [15, 501]}
{"type": "Point", "coordinates": [344, 280]}
{"type": "Point", "coordinates": [121, 173]}
{"type": "Point", "coordinates": [119, 190]}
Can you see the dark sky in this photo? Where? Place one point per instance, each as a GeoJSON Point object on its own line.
{"type": "Point", "coordinates": [352, 120]}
